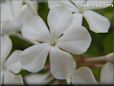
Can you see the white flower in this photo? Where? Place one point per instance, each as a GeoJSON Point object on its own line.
{"type": "Point", "coordinates": [58, 41]}
{"type": "Point", "coordinates": [10, 67]}
{"type": "Point", "coordinates": [84, 75]}
{"type": "Point", "coordinates": [83, 8]}
{"type": "Point", "coordinates": [14, 13]}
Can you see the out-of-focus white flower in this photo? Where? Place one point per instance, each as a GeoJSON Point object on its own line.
{"type": "Point", "coordinates": [58, 41]}
{"type": "Point", "coordinates": [10, 66]}
{"type": "Point", "coordinates": [83, 8]}
{"type": "Point", "coordinates": [84, 75]}
{"type": "Point", "coordinates": [37, 79]}
{"type": "Point", "coordinates": [14, 13]}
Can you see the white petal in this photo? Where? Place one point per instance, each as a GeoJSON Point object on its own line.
{"type": "Point", "coordinates": [79, 2]}
{"type": "Point", "coordinates": [14, 14]}
{"type": "Point", "coordinates": [96, 4]}
{"type": "Point", "coordinates": [58, 20]}
{"type": "Point", "coordinates": [54, 3]}
{"type": "Point", "coordinates": [62, 63]}
{"type": "Point", "coordinates": [27, 9]}
{"type": "Point", "coordinates": [10, 78]}
{"type": "Point", "coordinates": [97, 22]}
{"type": "Point", "coordinates": [36, 79]}
{"type": "Point", "coordinates": [18, 8]}
{"type": "Point", "coordinates": [11, 27]}
{"type": "Point", "coordinates": [75, 40]}
{"type": "Point", "coordinates": [71, 7]}
{"type": "Point", "coordinates": [1, 75]}
{"type": "Point", "coordinates": [10, 12]}
{"type": "Point", "coordinates": [6, 46]}
{"type": "Point", "coordinates": [107, 73]}
{"type": "Point", "coordinates": [77, 17]}
{"type": "Point", "coordinates": [36, 29]}
{"type": "Point", "coordinates": [32, 4]}
{"type": "Point", "coordinates": [110, 57]}
{"type": "Point", "coordinates": [15, 7]}
{"type": "Point", "coordinates": [34, 58]}
{"type": "Point", "coordinates": [13, 62]}
{"type": "Point", "coordinates": [83, 75]}
{"type": "Point", "coordinates": [25, 14]}
{"type": "Point", "coordinates": [6, 14]}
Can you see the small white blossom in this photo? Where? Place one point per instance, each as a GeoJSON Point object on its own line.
{"type": "Point", "coordinates": [58, 41]}
{"type": "Point", "coordinates": [14, 13]}
{"type": "Point", "coordinates": [83, 8]}
{"type": "Point", "coordinates": [10, 67]}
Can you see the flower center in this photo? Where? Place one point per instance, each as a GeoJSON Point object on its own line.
{"type": "Point", "coordinates": [81, 11]}
{"type": "Point", "coordinates": [52, 40]}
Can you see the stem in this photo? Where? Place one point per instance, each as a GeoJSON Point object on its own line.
{"type": "Point", "coordinates": [99, 65]}
{"type": "Point", "coordinates": [109, 58]}
{"type": "Point", "coordinates": [21, 37]}
{"type": "Point", "coordinates": [91, 62]}
{"type": "Point", "coordinates": [68, 80]}
{"type": "Point", "coordinates": [101, 58]}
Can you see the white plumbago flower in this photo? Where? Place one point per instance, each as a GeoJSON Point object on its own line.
{"type": "Point", "coordinates": [36, 79]}
{"type": "Point", "coordinates": [14, 13]}
{"type": "Point", "coordinates": [84, 75]}
{"type": "Point", "coordinates": [83, 8]}
{"type": "Point", "coordinates": [58, 42]}
{"type": "Point", "coordinates": [10, 67]}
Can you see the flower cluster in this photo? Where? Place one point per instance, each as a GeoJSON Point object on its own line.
{"type": "Point", "coordinates": [58, 40]}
